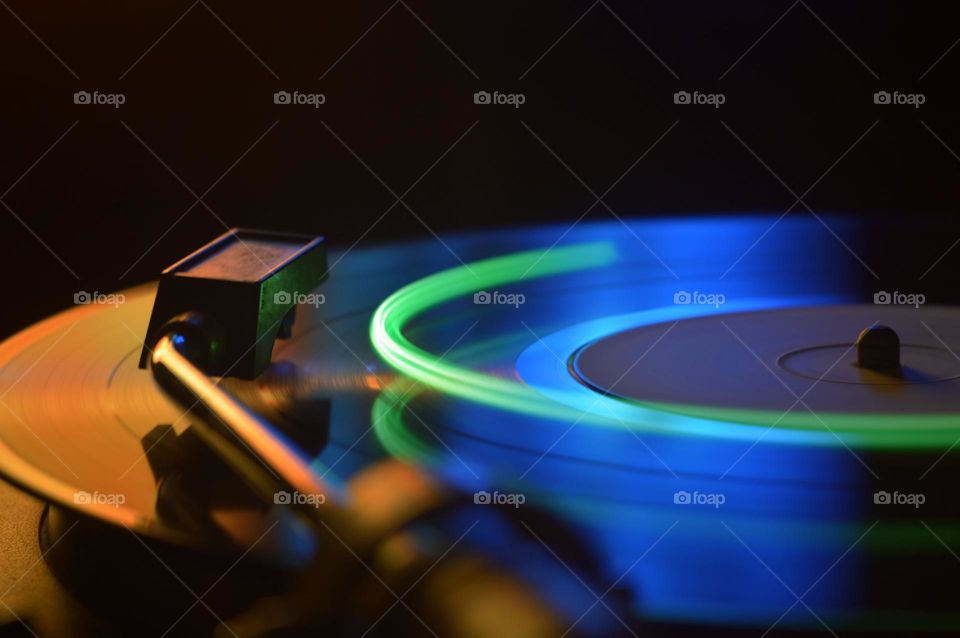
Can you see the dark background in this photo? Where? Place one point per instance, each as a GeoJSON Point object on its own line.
{"type": "Point", "coordinates": [115, 200]}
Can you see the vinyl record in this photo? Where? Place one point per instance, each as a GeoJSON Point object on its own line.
{"type": "Point", "coordinates": [695, 410]}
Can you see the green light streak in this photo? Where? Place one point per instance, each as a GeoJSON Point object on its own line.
{"type": "Point", "coordinates": [902, 538]}
{"type": "Point", "coordinates": [580, 405]}
{"type": "Point", "coordinates": [386, 327]}
{"type": "Point", "coordinates": [870, 430]}
{"type": "Point", "coordinates": [389, 428]}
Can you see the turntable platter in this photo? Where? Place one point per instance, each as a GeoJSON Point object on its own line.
{"type": "Point", "coordinates": [765, 360]}
{"type": "Point", "coordinates": [567, 374]}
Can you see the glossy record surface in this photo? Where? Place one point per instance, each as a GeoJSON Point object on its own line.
{"type": "Point", "coordinates": [78, 408]}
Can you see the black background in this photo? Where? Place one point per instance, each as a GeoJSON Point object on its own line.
{"type": "Point", "coordinates": [116, 198]}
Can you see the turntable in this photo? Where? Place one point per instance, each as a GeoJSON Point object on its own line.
{"type": "Point", "coordinates": [504, 434]}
